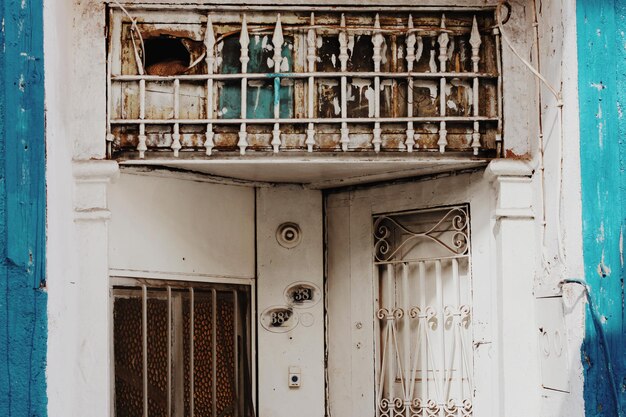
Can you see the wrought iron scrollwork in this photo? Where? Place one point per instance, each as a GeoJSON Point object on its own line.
{"type": "Point", "coordinates": [457, 242]}
{"type": "Point", "coordinates": [393, 314]}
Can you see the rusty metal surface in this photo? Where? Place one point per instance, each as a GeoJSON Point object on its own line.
{"type": "Point", "coordinates": [162, 131]}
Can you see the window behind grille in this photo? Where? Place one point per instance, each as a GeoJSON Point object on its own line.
{"type": "Point", "coordinates": [182, 350]}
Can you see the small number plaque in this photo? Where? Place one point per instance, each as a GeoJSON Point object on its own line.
{"type": "Point", "coordinates": [279, 319]}
{"type": "Point", "coordinates": [302, 295]}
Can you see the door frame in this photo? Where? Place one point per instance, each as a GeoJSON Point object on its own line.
{"type": "Point", "coordinates": [350, 296]}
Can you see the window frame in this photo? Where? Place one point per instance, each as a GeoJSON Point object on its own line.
{"type": "Point", "coordinates": [152, 281]}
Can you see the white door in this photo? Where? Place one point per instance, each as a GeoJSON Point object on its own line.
{"type": "Point", "coordinates": [408, 321]}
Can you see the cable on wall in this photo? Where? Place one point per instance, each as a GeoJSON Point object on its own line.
{"type": "Point", "coordinates": [561, 254]}
{"type": "Point", "coordinates": [141, 61]}
{"type": "Point", "coordinates": [600, 330]}
{"type": "Point", "coordinates": [559, 104]}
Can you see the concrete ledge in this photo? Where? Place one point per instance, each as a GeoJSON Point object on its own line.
{"type": "Point", "coordinates": [95, 170]}
{"type": "Point", "coordinates": [507, 168]}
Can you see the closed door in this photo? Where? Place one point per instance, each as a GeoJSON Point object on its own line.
{"type": "Point", "coordinates": [401, 303]}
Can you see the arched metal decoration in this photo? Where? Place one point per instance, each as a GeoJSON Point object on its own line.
{"type": "Point", "coordinates": [451, 232]}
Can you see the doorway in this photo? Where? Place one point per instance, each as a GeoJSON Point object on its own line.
{"type": "Point", "coordinates": [406, 316]}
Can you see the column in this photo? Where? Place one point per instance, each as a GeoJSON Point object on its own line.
{"type": "Point", "coordinates": [516, 339]}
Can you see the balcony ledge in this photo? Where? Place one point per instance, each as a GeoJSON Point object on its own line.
{"type": "Point", "coordinates": [319, 171]}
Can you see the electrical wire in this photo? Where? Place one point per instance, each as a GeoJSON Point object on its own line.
{"type": "Point", "coordinates": [600, 330]}
{"type": "Point", "coordinates": [587, 289]}
{"type": "Point", "coordinates": [532, 69]}
{"type": "Point", "coordinates": [141, 62]}
{"type": "Point", "coordinates": [559, 105]}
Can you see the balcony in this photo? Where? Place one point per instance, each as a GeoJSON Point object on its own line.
{"type": "Point", "coordinates": [409, 91]}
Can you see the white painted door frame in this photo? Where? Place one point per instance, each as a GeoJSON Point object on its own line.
{"type": "Point", "coordinates": [502, 293]}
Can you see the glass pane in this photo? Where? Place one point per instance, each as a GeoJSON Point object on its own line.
{"type": "Point", "coordinates": [128, 354]}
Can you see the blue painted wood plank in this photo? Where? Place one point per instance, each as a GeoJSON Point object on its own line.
{"type": "Point", "coordinates": [602, 93]}
{"type": "Point", "coordinates": [23, 322]}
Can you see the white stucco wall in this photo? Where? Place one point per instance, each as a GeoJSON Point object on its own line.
{"type": "Point", "coordinates": [78, 260]}
{"type": "Point", "coordinates": [558, 54]}
{"type": "Point", "coordinates": [166, 227]}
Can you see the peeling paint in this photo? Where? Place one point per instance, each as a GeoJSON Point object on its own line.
{"type": "Point", "coordinates": [23, 324]}
{"type": "Point", "coordinates": [510, 154]}
{"type": "Point", "coordinates": [602, 71]}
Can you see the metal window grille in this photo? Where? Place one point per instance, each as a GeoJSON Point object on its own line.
{"type": "Point", "coordinates": [308, 79]}
{"type": "Point", "coordinates": [424, 311]}
{"type": "Point", "coordinates": [181, 349]}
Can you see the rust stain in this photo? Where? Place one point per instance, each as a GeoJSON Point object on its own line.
{"type": "Point", "coordinates": [512, 155]}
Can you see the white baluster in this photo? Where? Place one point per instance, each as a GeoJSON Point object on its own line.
{"type": "Point", "coordinates": [244, 41]}
{"type": "Point", "coordinates": [377, 41]}
{"type": "Point", "coordinates": [310, 41]}
{"type": "Point", "coordinates": [176, 135]}
{"type": "Point", "coordinates": [410, 59]}
{"type": "Point", "coordinates": [475, 42]}
{"type": "Point", "coordinates": [277, 41]}
{"type": "Point", "coordinates": [343, 59]}
{"type": "Point", "coordinates": [209, 44]}
{"type": "Point", "coordinates": [443, 40]}
{"type": "Point", "coordinates": [141, 146]}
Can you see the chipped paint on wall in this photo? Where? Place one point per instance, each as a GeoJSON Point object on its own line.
{"type": "Point", "coordinates": [602, 89]}
{"type": "Point", "coordinates": [23, 323]}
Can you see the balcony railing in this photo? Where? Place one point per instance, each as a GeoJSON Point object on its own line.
{"type": "Point", "coordinates": [317, 80]}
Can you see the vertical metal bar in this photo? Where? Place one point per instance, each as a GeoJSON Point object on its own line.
{"type": "Point", "coordinates": [424, 328]}
{"type": "Point", "coordinates": [410, 59]}
{"type": "Point", "coordinates": [178, 355]}
{"type": "Point", "coordinates": [214, 352]}
{"type": "Point", "coordinates": [141, 145]}
{"type": "Point", "coordinates": [440, 327]}
{"type": "Point", "coordinates": [391, 357]}
{"type": "Point", "coordinates": [311, 39]}
{"type": "Point", "coordinates": [192, 331]}
{"type": "Point", "coordinates": [475, 42]}
{"type": "Point", "coordinates": [251, 335]}
{"type": "Point", "coordinates": [244, 41]}
{"type": "Point", "coordinates": [406, 339]}
{"type": "Point", "coordinates": [459, 353]}
{"type": "Point", "coordinates": [277, 41]}
{"type": "Point", "coordinates": [496, 33]}
{"type": "Point", "coordinates": [343, 59]}
{"type": "Point", "coordinates": [209, 44]}
{"type": "Point", "coordinates": [394, 82]}
{"type": "Point", "coordinates": [109, 137]}
{"type": "Point", "coordinates": [377, 41]}
{"type": "Point", "coordinates": [144, 346]}
{"type": "Point", "coordinates": [169, 351]}
{"type": "Point", "coordinates": [443, 40]}
{"type": "Point", "coordinates": [176, 135]}
{"type": "Point", "coordinates": [380, 330]}
{"type": "Point", "coordinates": [236, 350]}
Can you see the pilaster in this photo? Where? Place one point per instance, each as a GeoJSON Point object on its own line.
{"type": "Point", "coordinates": [92, 381]}
{"type": "Point", "coordinates": [515, 259]}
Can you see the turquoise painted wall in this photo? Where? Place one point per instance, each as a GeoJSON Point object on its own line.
{"type": "Point", "coordinates": [23, 321]}
{"type": "Point", "coordinates": [602, 92]}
